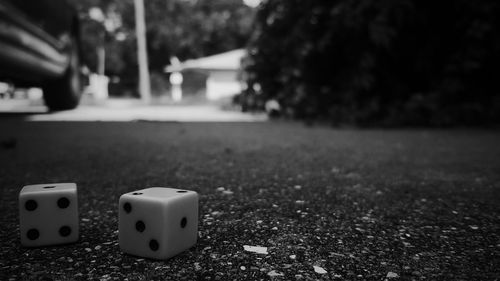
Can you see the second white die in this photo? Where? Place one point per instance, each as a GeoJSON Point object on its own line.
{"type": "Point", "coordinates": [48, 214]}
{"type": "Point", "coordinates": [158, 222]}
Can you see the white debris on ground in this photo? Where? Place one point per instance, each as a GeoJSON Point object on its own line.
{"type": "Point", "coordinates": [319, 270]}
{"type": "Point", "coordinates": [392, 275]}
{"type": "Point", "coordinates": [335, 170]}
{"type": "Point", "coordinates": [224, 191]}
{"type": "Point", "coordinates": [255, 249]}
{"type": "Point", "coordinates": [274, 273]}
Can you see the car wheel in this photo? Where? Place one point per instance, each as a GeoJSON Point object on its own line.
{"type": "Point", "coordinates": [64, 92]}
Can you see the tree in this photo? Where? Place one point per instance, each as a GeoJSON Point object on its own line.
{"type": "Point", "coordinates": [181, 28]}
{"type": "Point", "coordinates": [378, 61]}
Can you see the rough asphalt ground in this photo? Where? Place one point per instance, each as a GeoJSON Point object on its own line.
{"type": "Point", "coordinates": [360, 204]}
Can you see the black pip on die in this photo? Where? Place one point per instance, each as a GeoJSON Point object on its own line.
{"type": "Point", "coordinates": [48, 214]}
{"type": "Point", "coordinates": [158, 222]}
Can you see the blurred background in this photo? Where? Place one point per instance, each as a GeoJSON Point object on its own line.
{"type": "Point", "coordinates": [344, 62]}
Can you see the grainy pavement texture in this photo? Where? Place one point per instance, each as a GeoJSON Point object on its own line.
{"type": "Point", "coordinates": [325, 203]}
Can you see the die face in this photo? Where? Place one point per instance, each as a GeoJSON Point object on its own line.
{"type": "Point", "coordinates": [139, 229]}
{"type": "Point", "coordinates": [181, 227]}
{"type": "Point", "coordinates": [172, 218]}
{"type": "Point", "coordinates": [161, 194]}
{"type": "Point", "coordinates": [48, 188]}
{"type": "Point", "coordinates": [48, 217]}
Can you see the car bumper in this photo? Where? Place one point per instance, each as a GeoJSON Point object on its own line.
{"type": "Point", "coordinates": [26, 51]}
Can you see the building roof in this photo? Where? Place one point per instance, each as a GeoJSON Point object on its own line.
{"type": "Point", "coordinates": [225, 61]}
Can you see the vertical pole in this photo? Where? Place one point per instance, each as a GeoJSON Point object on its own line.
{"type": "Point", "coordinates": [101, 60]}
{"type": "Point", "coordinates": [142, 55]}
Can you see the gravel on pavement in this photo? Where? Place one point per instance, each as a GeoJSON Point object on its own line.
{"type": "Point", "coordinates": [278, 200]}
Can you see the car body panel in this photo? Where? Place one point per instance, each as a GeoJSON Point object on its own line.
{"type": "Point", "coordinates": [34, 39]}
{"type": "Point", "coordinates": [54, 17]}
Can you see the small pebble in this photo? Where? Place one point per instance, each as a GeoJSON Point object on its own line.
{"type": "Point", "coordinates": [273, 273]}
{"type": "Point", "coordinates": [255, 249]}
{"type": "Point", "coordinates": [319, 270]}
{"type": "Point", "coordinates": [392, 275]}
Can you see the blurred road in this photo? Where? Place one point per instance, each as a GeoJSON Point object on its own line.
{"type": "Point", "coordinates": [129, 110]}
{"type": "Point", "coordinates": [327, 204]}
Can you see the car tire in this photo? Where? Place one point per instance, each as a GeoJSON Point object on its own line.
{"type": "Point", "coordinates": [64, 93]}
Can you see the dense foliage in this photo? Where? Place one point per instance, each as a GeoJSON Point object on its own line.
{"type": "Point", "coordinates": [389, 62]}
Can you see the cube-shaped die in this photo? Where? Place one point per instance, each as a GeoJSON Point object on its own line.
{"type": "Point", "coordinates": [158, 222]}
{"type": "Point", "coordinates": [48, 214]}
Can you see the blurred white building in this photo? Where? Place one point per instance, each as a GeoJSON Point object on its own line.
{"type": "Point", "coordinates": [222, 72]}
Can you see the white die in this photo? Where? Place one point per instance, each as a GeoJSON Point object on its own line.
{"type": "Point", "coordinates": [48, 214]}
{"type": "Point", "coordinates": [158, 222]}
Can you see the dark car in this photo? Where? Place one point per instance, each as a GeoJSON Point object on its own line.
{"type": "Point", "coordinates": [39, 47]}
